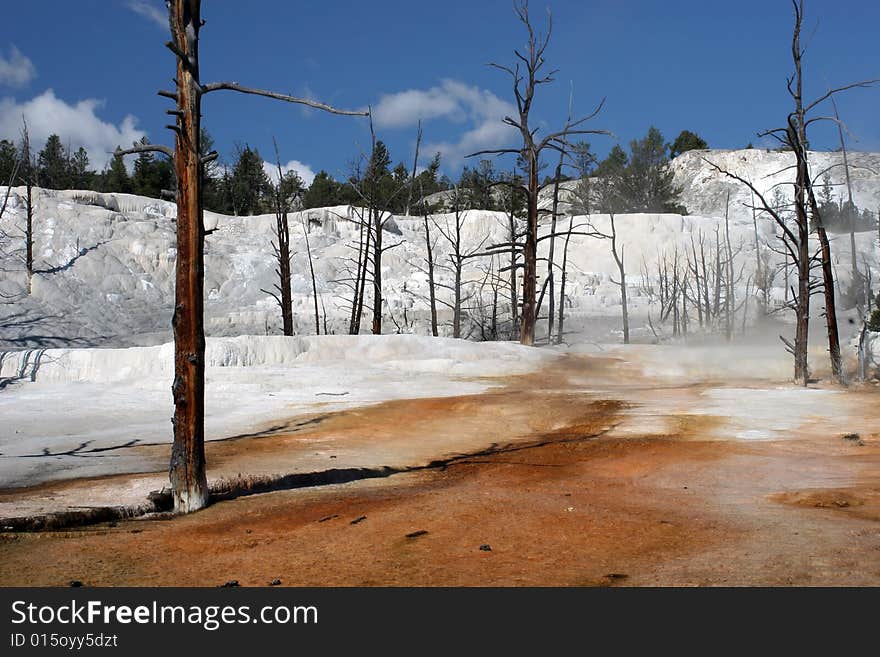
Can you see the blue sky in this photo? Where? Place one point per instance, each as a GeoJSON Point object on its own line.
{"type": "Point", "coordinates": [89, 70]}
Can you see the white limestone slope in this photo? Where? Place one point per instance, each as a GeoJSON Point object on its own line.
{"type": "Point", "coordinates": [106, 267]}
{"type": "Point", "coordinates": [704, 190]}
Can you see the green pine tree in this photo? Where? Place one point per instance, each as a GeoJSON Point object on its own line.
{"type": "Point", "coordinates": [116, 177]}
{"type": "Point", "coordinates": [81, 177]}
{"type": "Point", "coordinates": [647, 181]}
{"type": "Point", "coordinates": [687, 141]}
{"type": "Point", "coordinates": [250, 188]}
{"type": "Point", "coordinates": [8, 160]}
{"type": "Point", "coordinates": [53, 164]}
{"type": "Point", "coordinates": [323, 192]}
{"type": "Point", "coordinates": [144, 181]}
{"type": "Point", "coordinates": [613, 164]}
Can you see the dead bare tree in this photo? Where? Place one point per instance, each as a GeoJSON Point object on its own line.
{"type": "Point", "coordinates": [24, 172]}
{"type": "Point", "coordinates": [13, 178]}
{"type": "Point", "coordinates": [560, 331]}
{"type": "Point", "coordinates": [305, 227]}
{"type": "Point", "coordinates": [458, 257]}
{"type": "Point", "coordinates": [351, 268]}
{"type": "Point", "coordinates": [554, 216]}
{"type": "Point", "coordinates": [729, 299]}
{"type": "Point", "coordinates": [764, 274]}
{"type": "Point", "coordinates": [525, 84]}
{"type": "Point", "coordinates": [857, 282]}
{"type": "Point", "coordinates": [358, 277]}
{"type": "Point", "coordinates": [412, 179]}
{"type": "Point", "coordinates": [619, 259]}
{"type": "Point", "coordinates": [483, 314]}
{"type": "Point", "coordinates": [30, 172]}
{"type": "Point", "coordinates": [378, 204]}
{"type": "Point", "coordinates": [187, 469]}
{"type": "Point", "coordinates": [281, 250]}
{"type": "Point", "coordinates": [429, 261]}
{"type": "Point", "coordinates": [515, 190]}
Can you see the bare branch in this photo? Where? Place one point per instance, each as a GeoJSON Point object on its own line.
{"type": "Point", "coordinates": [234, 86]}
{"type": "Point", "coordinates": [864, 84]}
{"type": "Point", "coordinates": [146, 148]}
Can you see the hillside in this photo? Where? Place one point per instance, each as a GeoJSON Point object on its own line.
{"type": "Point", "coordinates": [704, 190]}
{"type": "Point", "coordinates": [106, 263]}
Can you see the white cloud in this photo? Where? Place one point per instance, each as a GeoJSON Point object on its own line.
{"type": "Point", "coordinates": [405, 108]}
{"type": "Point", "coordinates": [303, 170]}
{"type": "Point", "coordinates": [456, 102]}
{"type": "Point", "coordinates": [16, 71]}
{"type": "Point", "coordinates": [76, 124]}
{"type": "Point", "coordinates": [150, 11]}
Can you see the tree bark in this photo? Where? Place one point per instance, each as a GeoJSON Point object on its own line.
{"type": "Point", "coordinates": [412, 180]}
{"type": "Point", "coordinates": [29, 231]}
{"type": "Point", "coordinates": [837, 371]}
{"type": "Point", "coordinates": [187, 471]}
{"type": "Point", "coordinates": [802, 303]}
{"type": "Point", "coordinates": [432, 294]}
{"type": "Point", "coordinates": [377, 273]}
{"type": "Point", "coordinates": [729, 300]}
{"type": "Point", "coordinates": [856, 275]}
{"type": "Point", "coordinates": [561, 324]}
{"type": "Point", "coordinates": [305, 226]}
{"type": "Point", "coordinates": [830, 307]}
{"type": "Point", "coordinates": [551, 315]}
{"type": "Point", "coordinates": [362, 278]}
{"type": "Point", "coordinates": [514, 297]}
{"type": "Point", "coordinates": [618, 258]}
{"type": "Point", "coordinates": [530, 257]}
{"type": "Point", "coordinates": [284, 275]}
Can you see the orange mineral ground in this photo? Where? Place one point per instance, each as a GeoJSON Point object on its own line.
{"type": "Point", "coordinates": [590, 472]}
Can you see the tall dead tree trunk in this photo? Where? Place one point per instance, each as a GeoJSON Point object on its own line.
{"type": "Point", "coordinates": [27, 171]}
{"type": "Point", "coordinates": [729, 300]}
{"type": "Point", "coordinates": [551, 272]}
{"type": "Point", "coordinates": [187, 469]}
{"type": "Point", "coordinates": [282, 254]}
{"type": "Point", "coordinates": [837, 371]}
{"type": "Point", "coordinates": [530, 257]}
{"type": "Point", "coordinates": [619, 259]}
{"type": "Point", "coordinates": [551, 316]}
{"type": "Point", "coordinates": [432, 290]}
{"type": "Point", "coordinates": [360, 275]}
{"type": "Point", "coordinates": [805, 199]}
{"type": "Point", "coordinates": [305, 226]}
{"type": "Point", "coordinates": [377, 271]}
{"type": "Point", "coordinates": [412, 180]}
{"type": "Point", "coordinates": [562, 279]}
{"type": "Point", "coordinates": [796, 131]}
{"type": "Point", "coordinates": [865, 296]}
{"type": "Point", "coordinates": [511, 236]}
{"type": "Point", "coordinates": [29, 235]}
{"type": "Point", "coordinates": [281, 250]}
{"type": "Point", "coordinates": [187, 472]}
{"type": "Point", "coordinates": [759, 273]}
